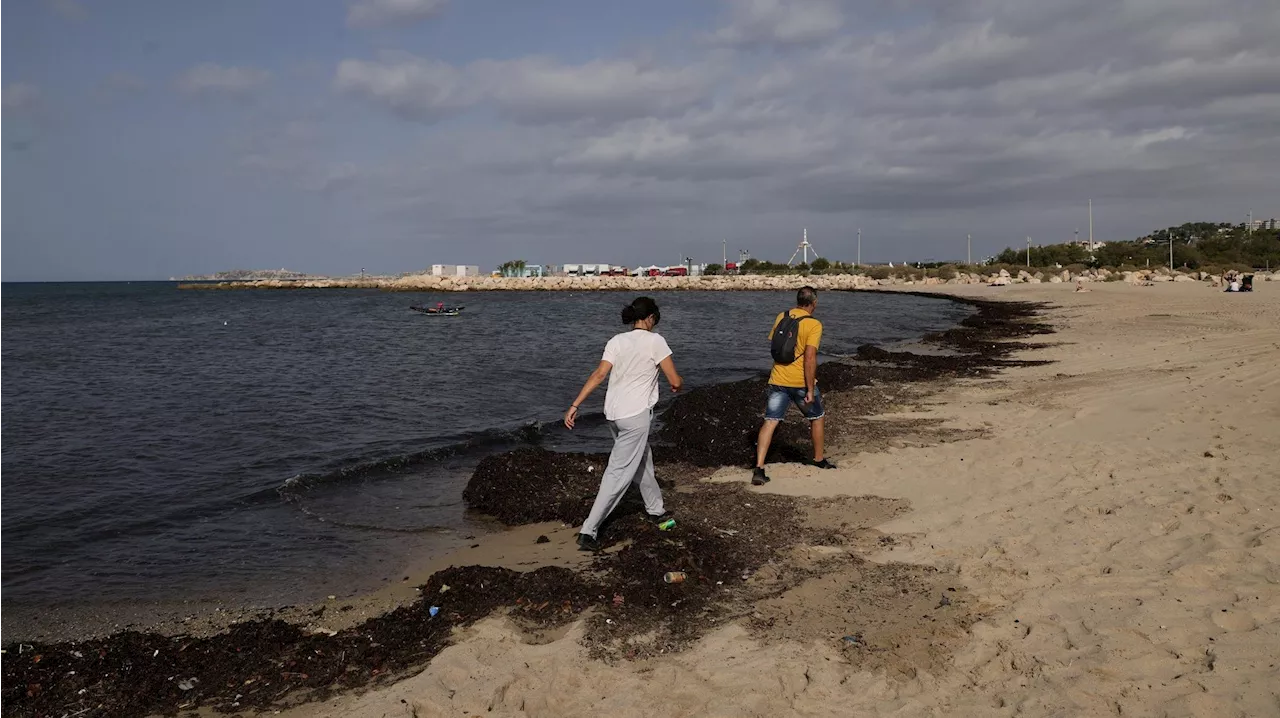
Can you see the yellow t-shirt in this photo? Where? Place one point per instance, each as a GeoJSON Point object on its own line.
{"type": "Point", "coordinates": [810, 335]}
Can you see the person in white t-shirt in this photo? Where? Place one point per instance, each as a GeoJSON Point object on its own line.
{"type": "Point", "coordinates": [631, 362]}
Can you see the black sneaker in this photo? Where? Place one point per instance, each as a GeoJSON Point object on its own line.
{"type": "Point", "coordinates": [824, 464]}
{"type": "Point", "coordinates": [588, 543]}
{"type": "Point", "coordinates": [758, 477]}
{"type": "Point", "coordinates": [655, 520]}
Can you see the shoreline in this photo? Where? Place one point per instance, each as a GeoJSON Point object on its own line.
{"type": "Point", "coordinates": [383, 589]}
{"type": "Point", "coordinates": [503, 549]}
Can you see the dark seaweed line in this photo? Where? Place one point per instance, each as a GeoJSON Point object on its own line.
{"type": "Point", "coordinates": [268, 662]}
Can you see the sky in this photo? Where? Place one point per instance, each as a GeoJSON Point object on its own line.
{"type": "Point", "coordinates": [144, 139]}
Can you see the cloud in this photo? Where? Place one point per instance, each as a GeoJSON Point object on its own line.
{"type": "Point", "coordinates": [19, 97]}
{"type": "Point", "coordinates": [908, 119]}
{"type": "Point", "coordinates": [69, 9]}
{"type": "Point", "coordinates": [211, 79]}
{"type": "Point", "coordinates": [373, 13]}
{"type": "Point", "coordinates": [301, 152]}
{"type": "Point", "coordinates": [780, 22]}
{"type": "Point", "coordinates": [539, 89]}
{"type": "Point", "coordinates": [528, 90]}
{"type": "Point", "coordinates": [657, 149]}
{"type": "Point", "coordinates": [123, 83]}
{"type": "Point", "coordinates": [411, 87]}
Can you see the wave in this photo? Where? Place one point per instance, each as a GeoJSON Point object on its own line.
{"type": "Point", "coordinates": [474, 445]}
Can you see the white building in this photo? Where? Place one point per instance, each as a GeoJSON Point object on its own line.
{"type": "Point", "coordinates": [586, 270]}
{"type": "Point", "coordinates": [455, 270]}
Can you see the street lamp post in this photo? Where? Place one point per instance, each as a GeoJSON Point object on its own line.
{"type": "Point", "coordinates": [969, 239]}
{"type": "Point", "coordinates": [1028, 252]}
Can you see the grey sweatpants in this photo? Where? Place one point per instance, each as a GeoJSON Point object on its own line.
{"type": "Point", "coordinates": [630, 461]}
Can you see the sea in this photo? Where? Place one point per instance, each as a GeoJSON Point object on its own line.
{"type": "Point", "coordinates": [269, 447]}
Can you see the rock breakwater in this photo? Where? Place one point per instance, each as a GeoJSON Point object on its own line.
{"type": "Point", "coordinates": [721, 283]}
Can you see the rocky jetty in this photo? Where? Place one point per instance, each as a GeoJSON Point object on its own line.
{"type": "Point", "coordinates": [745, 282]}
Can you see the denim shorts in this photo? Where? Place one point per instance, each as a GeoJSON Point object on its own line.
{"type": "Point", "coordinates": [780, 396]}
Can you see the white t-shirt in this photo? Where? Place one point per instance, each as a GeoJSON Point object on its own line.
{"type": "Point", "coordinates": [633, 382]}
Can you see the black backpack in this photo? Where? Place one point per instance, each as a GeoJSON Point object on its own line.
{"type": "Point", "coordinates": [782, 345]}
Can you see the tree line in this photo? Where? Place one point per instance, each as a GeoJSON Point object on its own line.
{"type": "Point", "coordinates": [1196, 245]}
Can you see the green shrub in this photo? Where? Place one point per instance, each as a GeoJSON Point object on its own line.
{"type": "Point", "coordinates": [879, 272]}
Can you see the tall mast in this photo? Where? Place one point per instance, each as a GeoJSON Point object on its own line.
{"type": "Point", "coordinates": [1090, 226]}
{"type": "Point", "coordinates": [803, 249]}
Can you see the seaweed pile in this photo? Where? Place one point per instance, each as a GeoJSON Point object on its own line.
{"type": "Point", "coordinates": [532, 484]}
{"type": "Point", "coordinates": [269, 663]}
{"type": "Point", "coordinates": [725, 534]}
{"type": "Point", "coordinates": [717, 425]}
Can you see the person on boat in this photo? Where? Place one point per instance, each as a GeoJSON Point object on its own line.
{"type": "Point", "coordinates": [440, 306]}
{"type": "Point", "coordinates": [794, 341]}
{"type": "Point", "coordinates": [631, 363]}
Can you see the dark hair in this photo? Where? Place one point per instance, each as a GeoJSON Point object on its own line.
{"type": "Point", "coordinates": [641, 308]}
{"type": "Point", "coordinates": [806, 297]}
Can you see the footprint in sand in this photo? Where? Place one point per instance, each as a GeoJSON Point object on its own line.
{"type": "Point", "coordinates": [1234, 621]}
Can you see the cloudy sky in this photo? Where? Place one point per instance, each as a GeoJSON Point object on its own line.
{"type": "Point", "coordinates": [144, 139]}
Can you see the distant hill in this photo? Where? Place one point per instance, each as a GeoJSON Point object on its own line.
{"type": "Point", "coordinates": [243, 275]}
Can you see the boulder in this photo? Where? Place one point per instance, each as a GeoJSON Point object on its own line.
{"type": "Point", "coordinates": [1055, 279]}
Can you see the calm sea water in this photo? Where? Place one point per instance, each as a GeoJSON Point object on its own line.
{"type": "Point", "coordinates": [274, 446]}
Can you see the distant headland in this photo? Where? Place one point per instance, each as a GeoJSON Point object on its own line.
{"type": "Point", "coordinates": [248, 275]}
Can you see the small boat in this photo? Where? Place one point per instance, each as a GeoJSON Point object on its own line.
{"type": "Point", "coordinates": [439, 310]}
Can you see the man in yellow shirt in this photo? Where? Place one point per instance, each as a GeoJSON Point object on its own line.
{"type": "Point", "coordinates": [794, 382]}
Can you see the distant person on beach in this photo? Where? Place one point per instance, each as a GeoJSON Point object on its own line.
{"type": "Point", "coordinates": [794, 341]}
{"type": "Point", "coordinates": [631, 362]}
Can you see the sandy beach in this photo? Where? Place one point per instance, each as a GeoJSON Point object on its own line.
{"type": "Point", "coordinates": [1059, 507]}
{"type": "Point", "coordinates": [1099, 535]}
